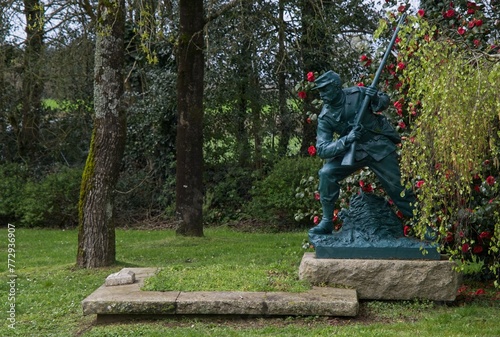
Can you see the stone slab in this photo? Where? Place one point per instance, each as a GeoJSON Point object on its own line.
{"type": "Point", "coordinates": [124, 276]}
{"type": "Point", "coordinates": [385, 279]}
{"type": "Point", "coordinates": [128, 299]}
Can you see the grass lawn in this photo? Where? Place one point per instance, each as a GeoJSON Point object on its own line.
{"type": "Point", "coordinates": [49, 288]}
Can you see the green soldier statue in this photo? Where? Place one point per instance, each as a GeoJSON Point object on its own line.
{"type": "Point", "coordinates": [376, 144]}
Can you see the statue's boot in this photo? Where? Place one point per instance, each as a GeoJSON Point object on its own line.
{"type": "Point", "coordinates": [326, 224]}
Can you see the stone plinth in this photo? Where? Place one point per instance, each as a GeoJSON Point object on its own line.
{"type": "Point", "coordinates": [124, 300]}
{"type": "Point", "coordinates": [385, 279]}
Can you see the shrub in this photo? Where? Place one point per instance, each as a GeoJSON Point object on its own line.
{"type": "Point", "coordinates": [52, 201]}
{"type": "Point", "coordinates": [274, 198]}
{"type": "Point", "coordinates": [12, 181]}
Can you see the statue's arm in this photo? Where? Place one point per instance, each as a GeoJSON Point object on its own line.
{"type": "Point", "coordinates": [325, 145]}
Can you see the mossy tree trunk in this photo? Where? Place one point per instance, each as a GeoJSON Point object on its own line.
{"type": "Point", "coordinates": [189, 142]}
{"type": "Point", "coordinates": [96, 232]}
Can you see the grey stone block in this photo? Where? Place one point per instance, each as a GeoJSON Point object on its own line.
{"type": "Point", "coordinates": [124, 276]}
{"type": "Point", "coordinates": [385, 279]}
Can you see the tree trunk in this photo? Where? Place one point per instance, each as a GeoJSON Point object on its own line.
{"type": "Point", "coordinates": [285, 123]}
{"type": "Point", "coordinates": [189, 142]}
{"type": "Point", "coordinates": [32, 79]}
{"type": "Point", "coordinates": [96, 231]}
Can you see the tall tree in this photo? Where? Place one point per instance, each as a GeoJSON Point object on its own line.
{"type": "Point", "coordinates": [189, 142]}
{"type": "Point", "coordinates": [96, 231]}
{"type": "Point", "coordinates": [32, 78]}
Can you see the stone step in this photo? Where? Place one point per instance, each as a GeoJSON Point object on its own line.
{"type": "Point", "coordinates": [129, 299]}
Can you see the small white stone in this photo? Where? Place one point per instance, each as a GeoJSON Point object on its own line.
{"type": "Point", "coordinates": [124, 276]}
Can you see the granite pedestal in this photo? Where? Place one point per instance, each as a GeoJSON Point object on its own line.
{"type": "Point", "coordinates": [378, 279]}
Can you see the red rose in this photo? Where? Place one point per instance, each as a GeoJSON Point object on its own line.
{"type": "Point", "coordinates": [316, 195]}
{"type": "Point", "coordinates": [477, 42]}
{"type": "Point", "coordinates": [398, 105]}
{"type": "Point", "coordinates": [310, 76]}
{"type": "Point", "coordinates": [316, 220]}
{"type": "Point", "coordinates": [471, 24]}
{"type": "Point", "coordinates": [368, 188]}
{"type": "Point", "coordinates": [308, 120]}
{"type": "Point", "coordinates": [485, 235]}
{"type": "Point", "coordinates": [461, 31]}
{"type": "Point", "coordinates": [477, 249]}
{"type": "Point", "coordinates": [364, 58]}
{"type": "Point", "coordinates": [465, 247]}
{"type": "Point", "coordinates": [401, 8]}
{"type": "Point", "coordinates": [400, 214]}
{"type": "Point", "coordinates": [449, 13]}
{"type": "Point", "coordinates": [402, 125]}
{"type": "Point", "coordinates": [419, 183]}
{"type": "Point", "coordinates": [406, 230]}
{"type": "Point", "coordinates": [397, 40]}
{"type": "Point", "coordinates": [478, 22]}
{"type": "Point", "coordinates": [360, 84]}
{"type": "Point", "coordinates": [311, 150]}
{"type": "Point", "coordinates": [470, 11]}
{"type": "Point", "coordinates": [421, 13]}
{"type": "Point", "coordinates": [401, 66]}
{"type": "Point", "coordinates": [302, 94]}
{"type": "Point", "coordinates": [490, 180]}
{"type": "Point", "coordinates": [480, 292]}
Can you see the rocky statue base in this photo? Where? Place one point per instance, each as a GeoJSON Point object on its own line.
{"type": "Point", "coordinates": [371, 230]}
{"type": "Point", "coordinates": [385, 279]}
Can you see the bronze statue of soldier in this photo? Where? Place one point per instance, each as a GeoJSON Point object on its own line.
{"type": "Point", "coordinates": [376, 144]}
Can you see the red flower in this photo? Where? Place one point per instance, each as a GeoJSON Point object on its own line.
{"type": "Point", "coordinates": [316, 220]}
{"type": "Point", "coordinates": [449, 13]}
{"type": "Point", "coordinates": [364, 58]}
{"type": "Point", "coordinates": [368, 188]}
{"type": "Point", "coordinates": [485, 235]}
{"type": "Point", "coordinates": [397, 40]}
{"type": "Point", "coordinates": [401, 8]}
{"type": "Point", "coordinates": [478, 22]}
{"type": "Point", "coordinates": [490, 180]}
{"type": "Point", "coordinates": [311, 150]}
{"type": "Point", "coordinates": [402, 125]}
{"type": "Point", "coordinates": [421, 13]}
{"type": "Point", "coordinates": [419, 183]}
{"type": "Point", "coordinates": [465, 247]}
{"type": "Point", "coordinates": [310, 76]}
{"type": "Point", "coordinates": [398, 105]}
{"type": "Point", "coordinates": [360, 84]}
{"type": "Point", "coordinates": [308, 120]}
{"type": "Point", "coordinates": [476, 42]}
{"type": "Point", "coordinates": [316, 195]}
{"type": "Point", "coordinates": [461, 31]}
{"type": "Point", "coordinates": [477, 249]}
{"type": "Point", "coordinates": [480, 292]}
{"type": "Point", "coordinates": [302, 94]}
{"type": "Point", "coordinates": [400, 214]}
{"type": "Point", "coordinates": [471, 24]}
{"type": "Point", "coordinates": [406, 230]}
{"type": "Point", "coordinates": [470, 11]}
{"type": "Point", "coordinates": [401, 66]}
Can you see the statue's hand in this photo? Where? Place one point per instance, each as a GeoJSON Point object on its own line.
{"type": "Point", "coordinates": [354, 135]}
{"type": "Point", "coordinates": [371, 91]}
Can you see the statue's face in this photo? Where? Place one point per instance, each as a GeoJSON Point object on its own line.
{"type": "Point", "coordinates": [331, 93]}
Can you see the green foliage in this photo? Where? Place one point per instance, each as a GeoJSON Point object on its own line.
{"type": "Point", "coordinates": [47, 202]}
{"type": "Point", "coordinates": [51, 202]}
{"type": "Point", "coordinates": [227, 191]}
{"type": "Point", "coordinates": [453, 144]}
{"type": "Point", "coordinates": [274, 198]}
{"type": "Point", "coordinates": [12, 181]}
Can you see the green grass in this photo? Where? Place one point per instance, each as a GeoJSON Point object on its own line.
{"type": "Point", "coordinates": [50, 289]}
